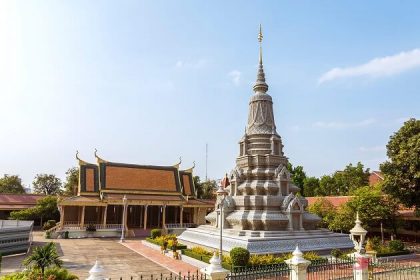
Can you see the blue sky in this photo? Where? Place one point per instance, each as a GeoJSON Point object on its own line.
{"type": "Point", "coordinates": [148, 81]}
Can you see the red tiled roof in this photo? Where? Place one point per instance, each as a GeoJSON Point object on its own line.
{"type": "Point", "coordinates": [335, 200]}
{"type": "Point", "coordinates": [18, 201]}
{"type": "Point", "coordinates": [375, 177]}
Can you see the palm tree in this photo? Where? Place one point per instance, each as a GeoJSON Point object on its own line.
{"type": "Point", "coordinates": [43, 257]}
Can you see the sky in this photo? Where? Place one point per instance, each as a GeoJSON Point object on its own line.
{"type": "Point", "coordinates": [148, 82]}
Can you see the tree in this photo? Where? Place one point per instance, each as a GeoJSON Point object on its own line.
{"type": "Point", "coordinates": [72, 181]}
{"type": "Point", "coordinates": [47, 184]}
{"type": "Point", "coordinates": [310, 186]}
{"type": "Point", "coordinates": [327, 186]}
{"type": "Point", "coordinates": [351, 178]}
{"type": "Point", "coordinates": [324, 209]}
{"type": "Point", "coordinates": [373, 208]}
{"type": "Point", "coordinates": [45, 209]}
{"type": "Point", "coordinates": [11, 184]}
{"type": "Point", "coordinates": [205, 190]}
{"type": "Point", "coordinates": [43, 257]}
{"type": "Point", "coordinates": [402, 170]}
{"type": "Point", "coordinates": [298, 176]}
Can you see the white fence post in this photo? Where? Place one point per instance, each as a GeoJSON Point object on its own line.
{"type": "Point", "coordinates": [361, 267]}
{"type": "Point", "coordinates": [298, 265]}
{"type": "Point", "coordinates": [97, 272]}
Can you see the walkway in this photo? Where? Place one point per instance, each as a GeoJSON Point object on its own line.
{"type": "Point", "coordinates": [176, 266]}
{"type": "Point", "coordinates": [79, 255]}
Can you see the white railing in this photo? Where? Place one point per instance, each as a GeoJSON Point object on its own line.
{"type": "Point", "coordinates": [184, 225]}
{"type": "Point", "coordinates": [76, 226]}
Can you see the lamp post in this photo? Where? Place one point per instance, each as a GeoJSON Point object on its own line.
{"type": "Point", "coordinates": [357, 235]}
{"type": "Point", "coordinates": [123, 218]}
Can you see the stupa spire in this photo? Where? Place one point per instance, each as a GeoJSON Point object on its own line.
{"type": "Point", "coordinates": [260, 85]}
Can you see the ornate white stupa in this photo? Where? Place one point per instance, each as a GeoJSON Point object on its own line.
{"type": "Point", "coordinates": [263, 211]}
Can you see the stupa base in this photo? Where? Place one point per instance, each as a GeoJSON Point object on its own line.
{"type": "Point", "coordinates": [266, 242]}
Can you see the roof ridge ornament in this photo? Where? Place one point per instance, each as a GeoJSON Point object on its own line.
{"type": "Point", "coordinates": [176, 165]}
{"type": "Point", "coordinates": [81, 162]}
{"type": "Point", "coordinates": [98, 159]}
{"type": "Point", "coordinates": [190, 170]}
{"type": "Point", "coordinates": [260, 85]}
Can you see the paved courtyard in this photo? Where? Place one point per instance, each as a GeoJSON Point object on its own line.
{"type": "Point", "coordinates": [79, 255]}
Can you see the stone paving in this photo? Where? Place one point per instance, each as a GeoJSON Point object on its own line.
{"type": "Point", "coordinates": [79, 255]}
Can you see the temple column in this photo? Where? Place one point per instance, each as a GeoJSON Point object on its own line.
{"type": "Point", "coordinates": [141, 215]}
{"type": "Point", "coordinates": [290, 225]}
{"type": "Point", "coordinates": [163, 216]}
{"type": "Point", "coordinates": [181, 214]}
{"type": "Point", "coordinates": [145, 217]}
{"type": "Point", "coordinates": [62, 217]}
{"type": "Point", "coordinates": [82, 219]}
{"type": "Point", "coordinates": [301, 221]}
{"type": "Point", "coordinates": [104, 215]}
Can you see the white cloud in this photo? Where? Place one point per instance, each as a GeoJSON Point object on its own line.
{"type": "Point", "coordinates": [379, 148]}
{"type": "Point", "coordinates": [377, 67]}
{"type": "Point", "coordinates": [334, 124]}
{"type": "Point", "coordinates": [235, 76]}
{"type": "Point", "coordinates": [191, 64]}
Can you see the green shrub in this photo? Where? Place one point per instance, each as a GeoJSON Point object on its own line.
{"type": "Point", "coordinates": [155, 233]}
{"type": "Point", "coordinates": [49, 224]}
{"type": "Point", "coordinates": [91, 228]}
{"type": "Point", "coordinates": [55, 273]}
{"type": "Point", "coordinates": [396, 245]}
{"type": "Point", "coordinates": [239, 256]}
{"type": "Point", "coordinates": [201, 251]}
{"type": "Point", "coordinates": [336, 253]}
{"type": "Point", "coordinates": [47, 235]}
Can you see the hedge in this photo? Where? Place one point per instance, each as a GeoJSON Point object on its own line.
{"type": "Point", "coordinates": [178, 247]}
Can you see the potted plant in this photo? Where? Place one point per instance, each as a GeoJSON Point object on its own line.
{"type": "Point", "coordinates": [90, 229]}
{"type": "Point", "coordinates": [164, 246]}
{"type": "Point", "coordinates": [174, 251]}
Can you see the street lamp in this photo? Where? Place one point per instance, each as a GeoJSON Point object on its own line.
{"type": "Point", "coordinates": [123, 218]}
{"type": "Point", "coordinates": [357, 235]}
{"type": "Point", "coordinates": [222, 193]}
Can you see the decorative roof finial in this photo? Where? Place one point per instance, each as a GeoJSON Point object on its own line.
{"type": "Point", "coordinates": [98, 159]}
{"type": "Point", "coordinates": [81, 162]}
{"type": "Point", "coordinates": [260, 85]}
{"type": "Point", "coordinates": [176, 165]}
{"type": "Point", "coordinates": [190, 170]}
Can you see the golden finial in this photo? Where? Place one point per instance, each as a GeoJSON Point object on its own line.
{"type": "Point", "coordinates": [260, 35]}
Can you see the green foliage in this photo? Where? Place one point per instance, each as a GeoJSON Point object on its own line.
{"type": "Point", "coordinates": [256, 260]}
{"type": "Point", "coordinates": [43, 257]}
{"type": "Point", "coordinates": [396, 245]}
{"type": "Point", "coordinates": [351, 178]}
{"type": "Point", "coordinates": [91, 228]}
{"type": "Point", "coordinates": [402, 170]}
{"type": "Point", "coordinates": [336, 253]}
{"type": "Point", "coordinates": [53, 273]}
{"type": "Point", "coordinates": [343, 219]}
{"type": "Point", "coordinates": [239, 256]}
{"type": "Point", "coordinates": [11, 184]}
{"type": "Point", "coordinates": [45, 208]}
{"type": "Point", "coordinates": [47, 184]}
{"type": "Point", "coordinates": [205, 190]}
{"type": "Point", "coordinates": [310, 185]}
{"type": "Point", "coordinates": [324, 209]}
{"type": "Point", "coordinates": [155, 233]}
{"type": "Point", "coordinates": [49, 224]}
{"type": "Point", "coordinates": [72, 181]}
{"type": "Point", "coordinates": [201, 251]}
{"type": "Point", "coordinates": [298, 176]}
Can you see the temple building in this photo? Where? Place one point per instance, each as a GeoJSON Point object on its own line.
{"type": "Point", "coordinates": [263, 210]}
{"type": "Point", "coordinates": [153, 197]}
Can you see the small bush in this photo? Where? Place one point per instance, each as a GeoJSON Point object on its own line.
{"type": "Point", "coordinates": [49, 224]}
{"type": "Point", "coordinates": [239, 256]}
{"type": "Point", "coordinates": [396, 245]}
{"type": "Point", "coordinates": [312, 256]}
{"type": "Point", "coordinates": [201, 251]}
{"type": "Point", "coordinates": [336, 253]}
{"type": "Point", "coordinates": [155, 233]}
{"type": "Point", "coordinates": [91, 228]}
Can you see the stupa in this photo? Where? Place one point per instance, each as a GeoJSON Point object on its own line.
{"type": "Point", "coordinates": [263, 210]}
